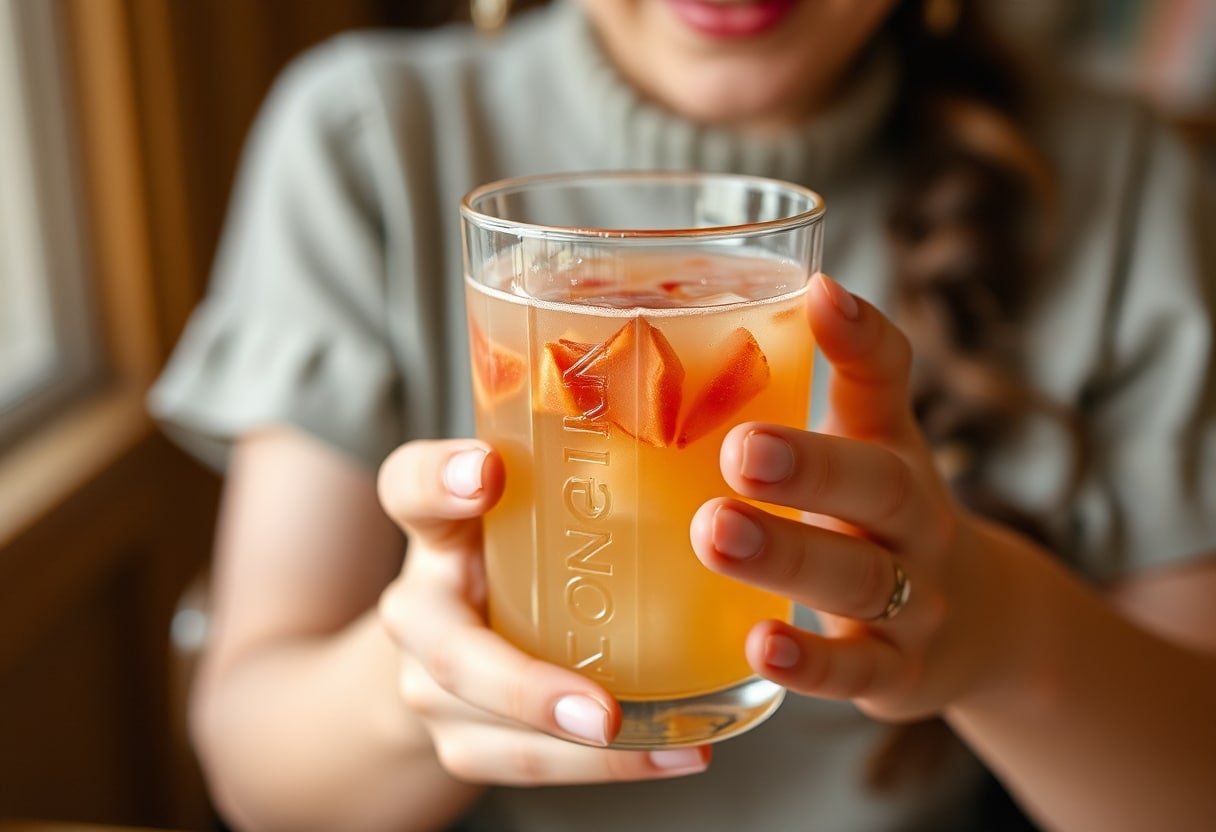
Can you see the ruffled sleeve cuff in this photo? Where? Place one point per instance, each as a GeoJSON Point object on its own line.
{"type": "Point", "coordinates": [231, 377]}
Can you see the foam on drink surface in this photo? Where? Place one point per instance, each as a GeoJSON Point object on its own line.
{"type": "Point", "coordinates": [666, 280]}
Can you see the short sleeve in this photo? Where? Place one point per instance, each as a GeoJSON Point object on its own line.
{"type": "Point", "coordinates": [1150, 415]}
{"type": "Point", "coordinates": [294, 329]}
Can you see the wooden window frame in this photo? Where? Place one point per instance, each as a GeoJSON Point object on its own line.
{"type": "Point", "coordinates": [141, 263]}
{"type": "Point", "coordinates": [102, 521]}
{"type": "Point", "coordinates": [42, 246]}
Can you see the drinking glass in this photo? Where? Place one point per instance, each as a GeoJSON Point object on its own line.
{"type": "Point", "coordinates": [619, 325]}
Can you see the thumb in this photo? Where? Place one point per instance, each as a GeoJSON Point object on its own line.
{"type": "Point", "coordinates": [436, 491]}
{"type": "Point", "coordinates": [871, 362]}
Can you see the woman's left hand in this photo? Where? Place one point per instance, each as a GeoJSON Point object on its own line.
{"type": "Point", "coordinates": [876, 505]}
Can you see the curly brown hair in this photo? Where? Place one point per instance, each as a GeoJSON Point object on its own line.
{"type": "Point", "coordinates": [970, 228]}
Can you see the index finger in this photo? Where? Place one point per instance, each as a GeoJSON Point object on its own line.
{"type": "Point", "coordinates": [479, 666]}
{"type": "Point", "coordinates": [871, 364]}
{"type": "Point", "coordinates": [433, 489]}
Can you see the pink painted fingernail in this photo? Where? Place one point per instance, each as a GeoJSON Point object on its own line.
{"type": "Point", "coordinates": [582, 717]}
{"type": "Point", "coordinates": [766, 458]}
{"type": "Point", "coordinates": [736, 535]}
{"type": "Point", "coordinates": [841, 298]}
{"type": "Point", "coordinates": [781, 651]}
{"type": "Point", "coordinates": [678, 759]}
{"type": "Point", "coordinates": [462, 476]}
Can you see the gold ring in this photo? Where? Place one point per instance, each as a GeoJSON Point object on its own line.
{"type": "Point", "coordinates": [899, 595]}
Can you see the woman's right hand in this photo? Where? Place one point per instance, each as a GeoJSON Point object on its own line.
{"type": "Point", "coordinates": [494, 714]}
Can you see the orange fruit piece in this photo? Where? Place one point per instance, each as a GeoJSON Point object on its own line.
{"type": "Point", "coordinates": [498, 372]}
{"type": "Point", "coordinates": [743, 375]}
{"type": "Point", "coordinates": [635, 379]}
{"type": "Point", "coordinates": [788, 314]}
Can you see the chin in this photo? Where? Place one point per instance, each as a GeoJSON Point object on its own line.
{"type": "Point", "coordinates": [734, 97]}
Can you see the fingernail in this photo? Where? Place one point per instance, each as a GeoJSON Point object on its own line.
{"type": "Point", "coordinates": [462, 476]}
{"type": "Point", "coordinates": [736, 535]}
{"type": "Point", "coordinates": [677, 759]}
{"type": "Point", "coordinates": [781, 651]}
{"type": "Point", "coordinates": [841, 298]}
{"type": "Point", "coordinates": [582, 717]}
{"type": "Point", "coordinates": [766, 458]}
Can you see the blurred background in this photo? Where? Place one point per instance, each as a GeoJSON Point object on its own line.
{"type": "Point", "coordinates": [121, 122]}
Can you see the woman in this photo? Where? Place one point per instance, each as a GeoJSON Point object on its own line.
{"type": "Point", "coordinates": [1050, 276]}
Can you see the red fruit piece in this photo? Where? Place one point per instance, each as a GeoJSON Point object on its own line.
{"type": "Point", "coordinates": [498, 372]}
{"type": "Point", "coordinates": [635, 379]}
{"type": "Point", "coordinates": [743, 375]}
{"type": "Point", "coordinates": [645, 383]}
{"type": "Point", "coordinates": [562, 389]}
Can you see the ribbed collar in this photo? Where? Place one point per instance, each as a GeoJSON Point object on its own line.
{"type": "Point", "coordinates": [628, 131]}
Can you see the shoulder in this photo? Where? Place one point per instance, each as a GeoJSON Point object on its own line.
{"type": "Point", "coordinates": [367, 102]}
{"type": "Point", "coordinates": [1132, 196]}
{"type": "Point", "coordinates": [1062, 101]}
{"type": "Point", "coordinates": [1129, 256]}
{"type": "Point", "coordinates": [353, 73]}
{"type": "Point", "coordinates": [1106, 148]}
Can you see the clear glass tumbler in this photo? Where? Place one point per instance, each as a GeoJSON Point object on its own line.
{"type": "Point", "coordinates": [620, 324]}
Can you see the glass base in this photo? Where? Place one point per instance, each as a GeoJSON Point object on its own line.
{"type": "Point", "coordinates": [696, 720]}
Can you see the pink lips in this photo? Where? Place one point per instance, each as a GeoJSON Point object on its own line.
{"type": "Point", "coordinates": [732, 19]}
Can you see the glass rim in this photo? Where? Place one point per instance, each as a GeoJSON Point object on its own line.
{"type": "Point", "coordinates": [700, 234]}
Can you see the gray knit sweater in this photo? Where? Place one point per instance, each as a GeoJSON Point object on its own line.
{"type": "Point", "coordinates": [337, 308]}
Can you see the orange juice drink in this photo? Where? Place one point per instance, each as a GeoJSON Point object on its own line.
{"type": "Point", "coordinates": [608, 388]}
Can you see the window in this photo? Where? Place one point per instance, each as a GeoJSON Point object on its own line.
{"type": "Point", "coordinates": [44, 327]}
